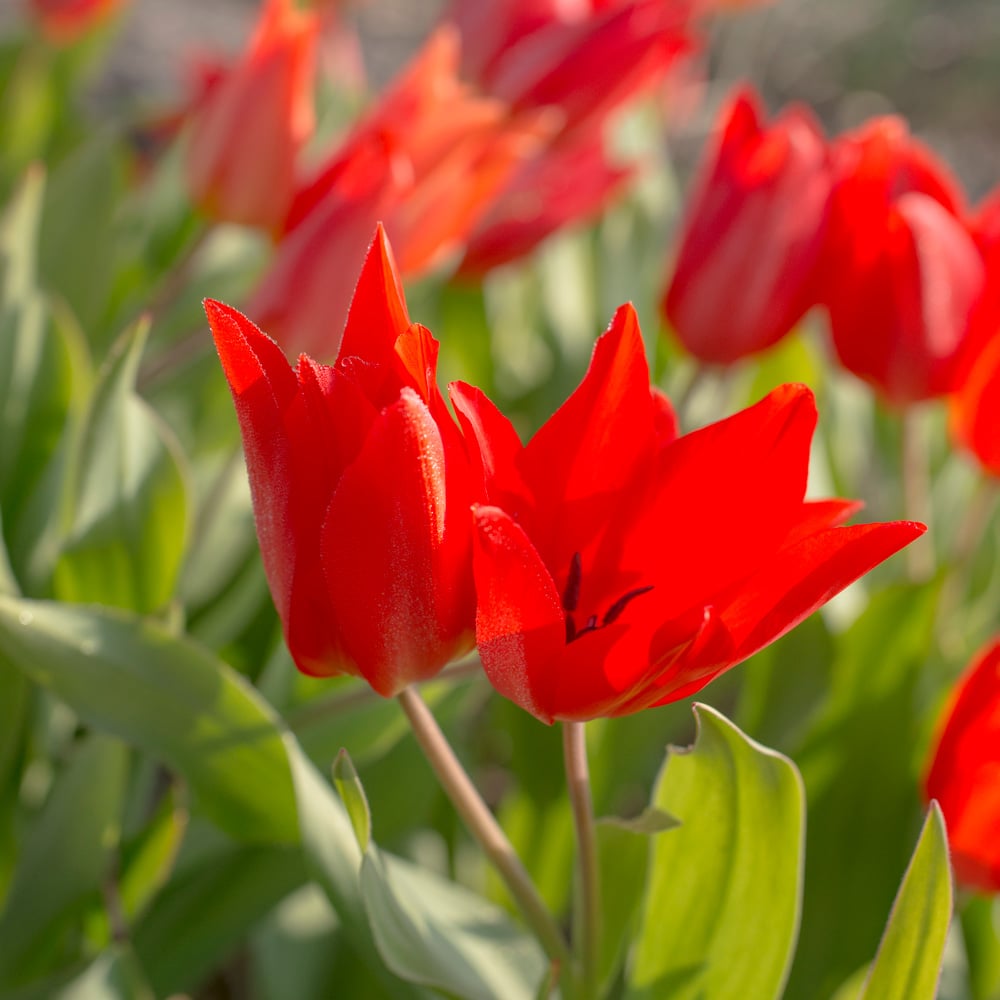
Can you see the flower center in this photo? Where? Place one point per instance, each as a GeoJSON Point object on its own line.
{"type": "Point", "coordinates": [571, 598]}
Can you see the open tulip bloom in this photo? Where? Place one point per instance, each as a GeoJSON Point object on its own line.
{"type": "Point", "coordinates": [620, 566]}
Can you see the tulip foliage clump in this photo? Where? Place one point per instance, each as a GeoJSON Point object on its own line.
{"type": "Point", "coordinates": [527, 529]}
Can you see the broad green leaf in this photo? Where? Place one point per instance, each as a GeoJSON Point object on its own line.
{"type": "Point", "coordinates": [64, 858]}
{"type": "Point", "coordinates": [147, 860]}
{"type": "Point", "coordinates": [125, 497]}
{"type": "Point", "coordinates": [981, 933]}
{"type": "Point", "coordinates": [203, 914]}
{"type": "Point", "coordinates": [167, 696]}
{"type": "Point", "coordinates": [115, 974]}
{"type": "Point", "coordinates": [722, 908]}
{"type": "Point", "coordinates": [623, 862]}
{"type": "Point", "coordinates": [352, 794]}
{"type": "Point", "coordinates": [907, 965]}
{"type": "Point", "coordinates": [434, 932]}
{"type": "Point", "coordinates": [77, 245]}
{"type": "Point", "coordinates": [43, 362]}
{"type": "Point", "coordinates": [15, 707]}
{"type": "Point", "coordinates": [857, 762]}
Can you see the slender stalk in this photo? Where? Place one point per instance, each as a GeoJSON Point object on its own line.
{"type": "Point", "coordinates": [587, 932]}
{"type": "Point", "coordinates": [916, 493]}
{"type": "Point", "coordinates": [482, 824]}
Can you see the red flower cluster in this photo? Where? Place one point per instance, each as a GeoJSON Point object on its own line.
{"type": "Point", "coordinates": [617, 565]}
{"type": "Point", "coordinates": [964, 773]}
{"type": "Point", "coordinates": [64, 21]}
{"type": "Point", "coordinates": [870, 226]}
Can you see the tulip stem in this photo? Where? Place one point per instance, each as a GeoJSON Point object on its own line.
{"type": "Point", "coordinates": [916, 492]}
{"type": "Point", "coordinates": [587, 913]}
{"type": "Point", "coordinates": [482, 824]}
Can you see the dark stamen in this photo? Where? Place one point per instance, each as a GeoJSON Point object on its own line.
{"type": "Point", "coordinates": [570, 629]}
{"type": "Point", "coordinates": [619, 606]}
{"type": "Point", "coordinates": [571, 595]}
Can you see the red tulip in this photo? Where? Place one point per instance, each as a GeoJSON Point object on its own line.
{"type": "Point", "coordinates": [964, 773]}
{"type": "Point", "coordinates": [361, 490]}
{"type": "Point", "coordinates": [427, 162]}
{"type": "Point", "coordinates": [902, 274]}
{"type": "Point", "coordinates": [537, 201]}
{"type": "Point", "coordinates": [619, 566]}
{"type": "Point", "coordinates": [585, 57]}
{"type": "Point", "coordinates": [64, 21]}
{"type": "Point", "coordinates": [752, 235]}
{"type": "Point", "coordinates": [253, 122]}
{"type": "Point", "coordinates": [975, 405]}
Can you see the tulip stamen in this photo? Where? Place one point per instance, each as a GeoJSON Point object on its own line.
{"type": "Point", "coordinates": [571, 595]}
{"type": "Point", "coordinates": [571, 599]}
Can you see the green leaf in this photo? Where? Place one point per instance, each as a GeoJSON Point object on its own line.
{"type": "Point", "coordinates": [124, 496]}
{"type": "Point", "coordinates": [981, 932]}
{"type": "Point", "coordinates": [43, 361]}
{"type": "Point", "coordinates": [352, 794]}
{"type": "Point", "coordinates": [204, 912]}
{"type": "Point", "coordinates": [65, 857]}
{"type": "Point", "coordinates": [77, 245]}
{"type": "Point", "coordinates": [907, 965]}
{"type": "Point", "coordinates": [857, 762]}
{"type": "Point", "coordinates": [113, 975]}
{"type": "Point", "coordinates": [722, 908]}
{"type": "Point", "coordinates": [431, 931]}
{"type": "Point", "coordinates": [168, 696]}
{"type": "Point", "coordinates": [623, 863]}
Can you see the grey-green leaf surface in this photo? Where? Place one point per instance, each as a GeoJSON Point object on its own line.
{"type": "Point", "coordinates": [431, 931]}
{"type": "Point", "coordinates": [722, 908]}
{"type": "Point", "coordinates": [125, 497]}
{"type": "Point", "coordinates": [65, 857]}
{"type": "Point", "coordinates": [169, 696]}
{"type": "Point", "coordinates": [907, 965]}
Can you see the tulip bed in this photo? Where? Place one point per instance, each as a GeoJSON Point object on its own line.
{"type": "Point", "coordinates": [373, 625]}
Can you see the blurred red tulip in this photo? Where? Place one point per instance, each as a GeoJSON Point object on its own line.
{"type": "Point", "coordinates": [752, 234]}
{"type": "Point", "coordinates": [902, 273]}
{"type": "Point", "coordinates": [361, 489]}
{"type": "Point", "coordinates": [538, 201]}
{"type": "Point", "coordinates": [64, 21]}
{"type": "Point", "coordinates": [619, 566]}
{"type": "Point", "coordinates": [427, 162]}
{"type": "Point", "coordinates": [251, 123]}
{"type": "Point", "coordinates": [964, 773]}
{"type": "Point", "coordinates": [585, 57]}
{"type": "Point", "coordinates": [975, 405]}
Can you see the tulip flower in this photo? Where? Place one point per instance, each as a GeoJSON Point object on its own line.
{"type": "Point", "coordinates": [427, 162]}
{"type": "Point", "coordinates": [975, 405]}
{"type": "Point", "coordinates": [586, 57]}
{"type": "Point", "coordinates": [620, 566]}
{"type": "Point", "coordinates": [537, 201]}
{"type": "Point", "coordinates": [902, 273]}
{"type": "Point", "coordinates": [64, 21]}
{"type": "Point", "coordinates": [752, 234]}
{"type": "Point", "coordinates": [964, 769]}
{"type": "Point", "coordinates": [252, 123]}
{"type": "Point", "coordinates": [360, 487]}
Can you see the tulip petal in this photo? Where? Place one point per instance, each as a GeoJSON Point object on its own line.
{"type": "Point", "coordinates": [724, 500]}
{"type": "Point", "coordinates": [397, 569]}
{"type": "Point", "coordinates": [964, 775]}
{"type": "Point", "coordinates": [594, 445]}
{"type": "Point", "coordinates": [493, 446]}
{"type": "Point", "coordinates": [378, 314]}
{"type": "Point", "coordinates": [803, 576]}
{"type": "Point", "coordinates": [520, 625]}
{"type": "Point", "coordinates": [282, 446]}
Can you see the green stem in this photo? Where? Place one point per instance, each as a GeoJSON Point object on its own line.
{"type": "Point", "coordinates": [916, 493]}
{"type": "Point", "coordinates": [482, 824]}
{"type": "Point", "coordinates": [587, 936]}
